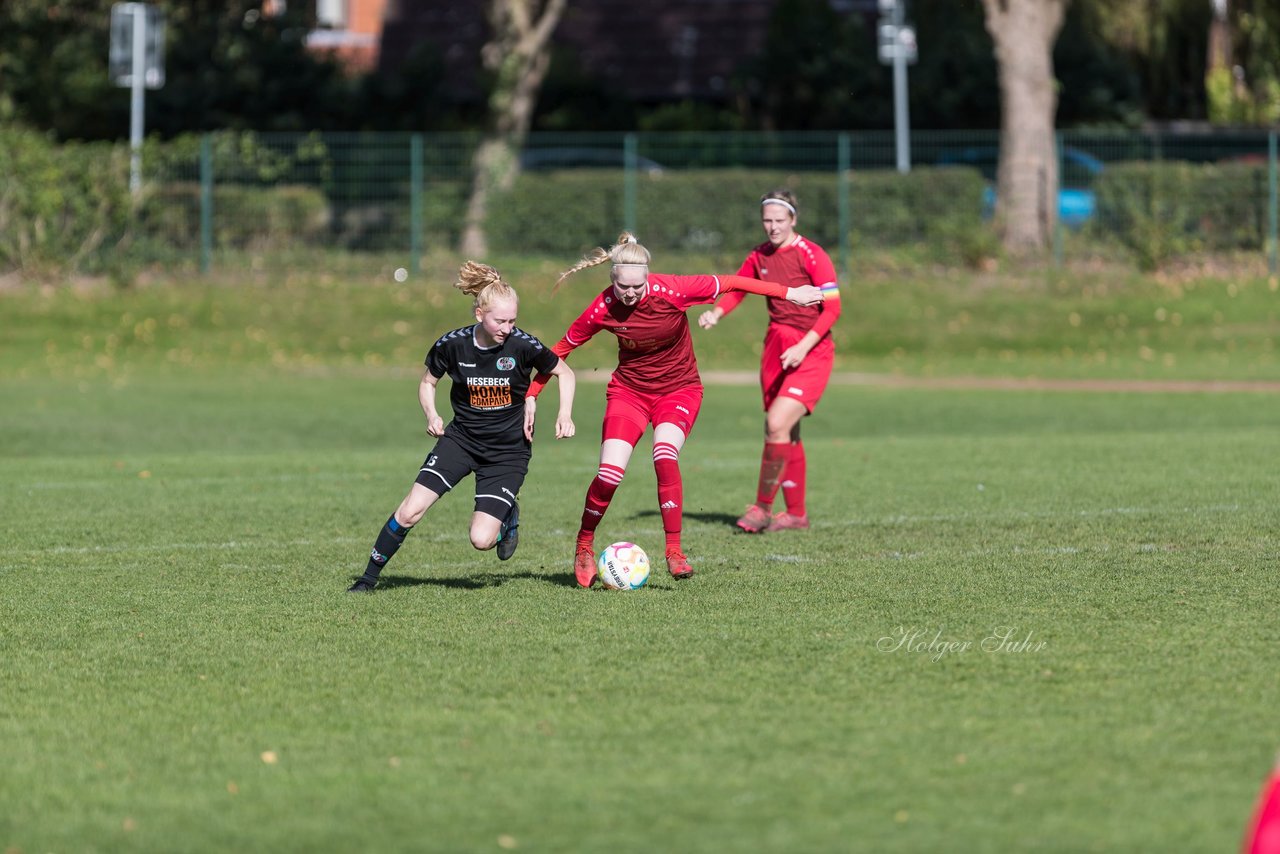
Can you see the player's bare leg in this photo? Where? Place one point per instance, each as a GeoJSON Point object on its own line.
{"type": "Point", "coordinates": [409, 513]}
{"type": "Point", "coordinates": [488, 531]}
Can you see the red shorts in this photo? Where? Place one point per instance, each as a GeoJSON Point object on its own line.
{"type": "Point", "coordinates": [805, 383]}
{"type": "Point", "coordinates": [627, 412]}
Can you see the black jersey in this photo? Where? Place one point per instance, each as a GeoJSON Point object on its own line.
{"type": "Point", "coordinates": [489, 384]}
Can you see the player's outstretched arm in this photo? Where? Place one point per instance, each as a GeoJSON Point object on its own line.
{"type": "Point", "coordinates": [803, 295]}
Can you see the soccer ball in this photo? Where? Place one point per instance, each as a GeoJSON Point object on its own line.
{"type": "Point", "coordinates": [623, 566]}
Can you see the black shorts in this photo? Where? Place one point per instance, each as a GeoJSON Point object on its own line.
{"type": "Point", "coordinates": [499, 474]}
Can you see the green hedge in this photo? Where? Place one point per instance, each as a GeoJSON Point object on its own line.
{"type": "Point", "coordinates": [63, 208]}
{"type": "Point", "coordinates": [711, 209]}
{"type": "Point", "coordinates": [261, 218]}
{"type": "Point", "coordinates": [566, 212]}
{"type": "Point", "coordinates": [66, 208]}
{"type": "Point", "coordinates": [1163, 210]}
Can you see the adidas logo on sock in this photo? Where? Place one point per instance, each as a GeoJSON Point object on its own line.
{"type": "Point", "coordinates": [788, 484]}
{"type": "Point", "coordinates": [668, 505]}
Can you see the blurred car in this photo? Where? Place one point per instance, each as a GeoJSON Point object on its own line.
{"type": "Point", "coordinates": [1076, 200]}
{"type": "Point", "coordinates": [545, 159]}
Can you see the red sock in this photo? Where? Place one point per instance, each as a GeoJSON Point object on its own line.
{"type": "Point", "coordinates": [666, 465]}
{"type": "Point", "coordinates": [793, 481]}
{"type": "Point", "coordinates": [772, 462]}
{"type": "Point", "coordinates": [599, 494]}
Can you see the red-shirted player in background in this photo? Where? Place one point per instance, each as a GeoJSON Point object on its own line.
{"type": "Point", "coordinates": [797, 360]}
{"type": "Point", "coordinates": [656, 381]}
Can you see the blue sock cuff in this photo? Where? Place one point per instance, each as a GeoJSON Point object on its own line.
{"type": "Point", "coordinates": [395, 527]}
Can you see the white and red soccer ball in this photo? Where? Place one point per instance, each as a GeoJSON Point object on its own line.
{"type": "Point", "coordinates": [623, 566]}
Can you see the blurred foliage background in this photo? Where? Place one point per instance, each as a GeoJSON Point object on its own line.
{"type": "Point", "coordinates": [1120, 63]}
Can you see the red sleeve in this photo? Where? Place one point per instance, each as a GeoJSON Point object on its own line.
{"type": "Point", "coordinates": [817, 264]}
{"type": "Point", "coordinates": [686, 291]}
{"type": "Point", "coordinates": [753, 286]}
{"type": "Point", "coordinates": [828, 316]}
{"type": "Point", "coordinates": [733, 299]}
{"type": "Point", "coordinates": [823, 274]}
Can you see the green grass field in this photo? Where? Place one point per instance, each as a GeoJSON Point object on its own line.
{"type": "Point", "coordinates": [184, 671]}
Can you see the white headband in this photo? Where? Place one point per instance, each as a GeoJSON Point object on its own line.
{"type": "Point", "coordinates": [782, 202]}
{"type": "Point", "coordinates": [616, 266]}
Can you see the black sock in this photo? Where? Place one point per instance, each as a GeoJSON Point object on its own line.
{"type": "Point", "coordinates": [389, 541]}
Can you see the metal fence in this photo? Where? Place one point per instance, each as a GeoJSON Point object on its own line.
{"type": "Point", "coordinates": [233, 197]}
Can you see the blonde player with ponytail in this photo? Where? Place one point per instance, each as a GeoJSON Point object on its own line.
{"type": "Point", "coordinates": [656, 381]}
{"type": "Point", "coordinates": [489, 364]}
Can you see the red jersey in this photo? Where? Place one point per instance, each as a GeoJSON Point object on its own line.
{"type": "Point", "coordinates": [802, 262]}
{"type": "Point", "coordinates": [655, 350]}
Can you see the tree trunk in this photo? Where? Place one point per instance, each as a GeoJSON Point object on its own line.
{"type": "Point", "coordinates": [1219, 54]}
{"type": "Point", "coordinates": [519, 53]}
{"type": "Point", "coordinates": [1226, 95]}
{"type": "Point", "coordinates": [1024, 32]}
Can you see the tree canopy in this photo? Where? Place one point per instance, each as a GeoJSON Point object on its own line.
{"type": "Point", "coordinates": [1117, 62]}
{"type": "Point", "coordinates": [227, 65]}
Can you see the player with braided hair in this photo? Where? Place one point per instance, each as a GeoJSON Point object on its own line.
{"type": "Point", "coordinates": [489, 364]}
{"type": "Point", "coordinates": [656, 381]}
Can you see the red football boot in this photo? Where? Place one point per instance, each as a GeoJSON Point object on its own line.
{"type": "Point", "coordinates": [584, 566]}
{"type": "Point", "coordinates": [678, 565]}
{"type": "Point", "coordinates": [755, 520]}
{"type": "Point", "coordinates": [788, 522]}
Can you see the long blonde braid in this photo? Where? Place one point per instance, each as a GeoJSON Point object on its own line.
{"type": "Point", "coordinates": [626, 251]}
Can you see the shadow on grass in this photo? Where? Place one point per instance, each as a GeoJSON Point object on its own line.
{"type": "Point", "coordinates": [481, 580]}
{"type": "Point", "coordinates": [475, 581]}
{"type": "Point", "coordinates": [697, 516]}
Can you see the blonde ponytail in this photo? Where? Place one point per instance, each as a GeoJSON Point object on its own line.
{"type": "Point", "coordinates": [484, 283]}
{"type": "Point", "coordinates": [627, 250]}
